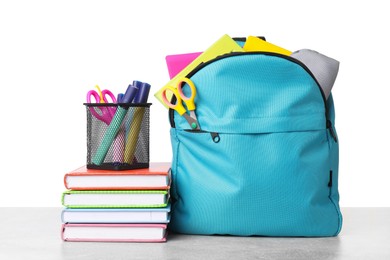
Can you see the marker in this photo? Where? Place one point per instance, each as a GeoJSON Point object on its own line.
{"type": "Point", "coordinates": [134, 122]}
{"type": "Point", "coordinates": [143, 92]}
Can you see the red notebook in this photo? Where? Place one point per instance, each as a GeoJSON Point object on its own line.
{"type": "Point", "coordinates": [156, 177]}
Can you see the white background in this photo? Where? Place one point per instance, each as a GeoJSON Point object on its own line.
{"type": "Point", "coordinates": [53, 52]}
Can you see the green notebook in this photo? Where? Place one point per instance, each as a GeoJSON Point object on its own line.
{"type": "Point", "coordinates": [115, 199]}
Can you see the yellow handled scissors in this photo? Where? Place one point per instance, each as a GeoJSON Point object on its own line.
{"type": "Point", "coordinates": [180, 98]}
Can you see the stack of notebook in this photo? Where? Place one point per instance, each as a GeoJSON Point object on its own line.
{"type": "Point", "coordinates": [116, 206]}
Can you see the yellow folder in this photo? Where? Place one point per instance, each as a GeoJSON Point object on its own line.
{"type": "Point", "coordinates": [256, 44]}
{"type": "Point", "coordinates": [223, 46]}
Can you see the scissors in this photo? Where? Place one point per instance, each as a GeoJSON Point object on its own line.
{"type": "Point", "coordinates": [102, 113]}
{"type": "Point", "coordinates": [180, 98]}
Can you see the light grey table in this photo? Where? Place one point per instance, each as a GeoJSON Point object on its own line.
{"type": "Point", "coordinates": [34, 233]}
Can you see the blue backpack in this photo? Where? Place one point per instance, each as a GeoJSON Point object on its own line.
{"type": "Point", "coordinates": [265, 161]}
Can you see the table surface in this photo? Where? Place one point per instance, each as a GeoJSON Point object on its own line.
{"type": "Point", "coordinates": [34, 233]}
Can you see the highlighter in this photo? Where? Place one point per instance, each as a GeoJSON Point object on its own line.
{"type": "Point", "coordinates": [134, 123]}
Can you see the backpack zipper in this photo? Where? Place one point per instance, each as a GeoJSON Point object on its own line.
{"type": "Point", "coordinates": [204, 64]}
{"type": "Point", "coordinates": [329, 126]}
{"type": "Point", "coordinates": [214, 136]}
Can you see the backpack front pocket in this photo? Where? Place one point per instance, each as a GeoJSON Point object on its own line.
{"type": "Point", "coordinates": [272, 184]}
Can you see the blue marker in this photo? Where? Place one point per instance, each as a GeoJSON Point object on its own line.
{"type": "Point", "coordinates": [143, 92]}
{"type": "Point", "coordinates": [141, 97]}
{"type": "Point", "coordinates": [119, 98]}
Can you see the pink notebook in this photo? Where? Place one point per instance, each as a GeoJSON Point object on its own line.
{"type": "Point", "coordinates": [114, 232]}
{"type": "Point", "coordinates": [177, 62]}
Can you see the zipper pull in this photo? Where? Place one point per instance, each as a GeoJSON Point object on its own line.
{"type": "Point", "coordinates": [215, 137]}
{"type": "Point", "coordinates": [330, 127]}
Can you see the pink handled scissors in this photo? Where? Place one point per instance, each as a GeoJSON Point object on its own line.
{"type": "Point", "coordinates": [103, 113]}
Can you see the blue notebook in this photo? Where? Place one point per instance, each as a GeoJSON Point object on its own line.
{"type": "Point", "coordinates": [127, 215]}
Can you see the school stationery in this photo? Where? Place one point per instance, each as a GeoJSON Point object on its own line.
{"type": "Point", "coordinates": [119, 146]}
{"type": "Point", "coordinates": [177, 62]}
{"type": "Point", "coordinates": [134, 121]}
{"type": "Point", "coordinates": [324, 68]}
{"type": "Point", "coordinates": [143, 92]}
{"type": "Point", "coordinates": [133, 134]}
{"type": "Point", "coordinates": [141, 98]}
{"type": "Point", "coordinates": [180, 97]}
{"type": "Point", "coordinates": [266, 160]}
{"type": "Point", "coordinates": [114, 158]}
{"type": "Point", "coordinates": [114, 126]}
{"type": "Point", "coordinates": [104, 114]}
{"type": "Point", "coordinates": [156, 177]}
{"type": "Point", "coordinates": [256, 44]}
{"type": "Point", "coordinates": [119, 141]}
{"type": "Point", "coordinates": [100, 96]}
{"type": "Point", "coordinates": [114, 232]}
{"type": "Point", "coordinates": [222, 46]}
{"type": "Point", "coordinates": [129, 215]}
{"type": "Point", "coordinates": [115, 198]}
